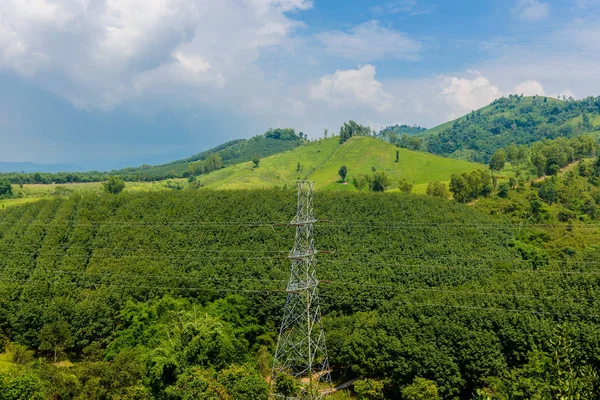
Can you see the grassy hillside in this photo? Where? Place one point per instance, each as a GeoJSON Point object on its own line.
{"type": "Point", "coordinates": [519, 120]}
{"type": "Point", "coordinates": [321, 160]}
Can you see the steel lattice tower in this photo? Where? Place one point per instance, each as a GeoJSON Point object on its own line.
{"type": "Point", "coordinates": [301, 349]}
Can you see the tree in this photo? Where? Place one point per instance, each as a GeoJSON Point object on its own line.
{"type": "Point", "coordinates": [437, 189]}
{"type": "Point", "coordinates": [114, 185]}
{"type": "Point", "coordinates": [298, 167]}
{"type": "Point", "coordinates": [380, 182]}
{"type": "Point", "coordinates": [459, 186]}
{"type": "Point", "coordinates": [498, 160]}
{"type": "Point", "coordinates": [503, 189]}
{"type": "Point", "coordinates": [405, 186]}
{"type": "Point", "coordinates": [397, 155]}
{"type": "Point", "coordinates": [325, 133]}
{"type": "Point", "coordinates": [256, 161]}
{"type": "Point", "coordinates": [369, 389]}
{"type": "Point", "coordinates": [55, 337]}
{"type": "Point", "coordinates": [286, 385]}
{"type": "Point", "coordinates": [342, 172]}
{"type": "Point", "coordinates": [5, 188]}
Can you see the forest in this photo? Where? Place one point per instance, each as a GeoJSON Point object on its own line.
{"type": "Point", "coordinates": [514, 119]}
{"type": "Point", "coordinates": [173, 295]}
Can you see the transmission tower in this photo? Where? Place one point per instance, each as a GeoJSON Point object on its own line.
{"type": "Point", "coordinates": [301, 349]}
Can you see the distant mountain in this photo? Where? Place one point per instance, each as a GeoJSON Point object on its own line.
{"type": "Point", "coordinates": [33, 167]}
{"type": "Point", "coordinates": [514, 119]}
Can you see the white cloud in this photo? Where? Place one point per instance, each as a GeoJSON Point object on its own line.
{"type": "Point", "coordinates": [369, 42]}
{"type": "Point", "coordinates": [352, 88]}
{"type": "Point", "coordinates": [469, 94]}
{"type": "Point", "coordinates": [531, 10]}
{"type": "Point", "coordinates": [100, 53]}
{"type": "Point", "coordinates": [529, 88]}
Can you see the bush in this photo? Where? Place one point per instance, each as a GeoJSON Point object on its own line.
{"type": "Point", "coordinates": [420, 389]}
{"type": "Point", "coordinates": [437, 189]}
{"type": "Point", "coordinates": [5, 189]}
{"type": "Point", "coordinates": [503, 190]}
{"type": "Point", "coordinates": [369, 389]}
{"type": "Point", "coordinates": [114, 185]}
{"type": "Point", "coordinates": [405, 186]}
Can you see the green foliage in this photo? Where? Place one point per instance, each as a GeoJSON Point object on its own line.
{"type": "Point", "coordinates": [516, 120]}
{"type": "Point", "coordinates": [429, 291]}
{"type": "Point", "coordinates": [498, 160]}
{"type": "Point", "coordinates": [420, 389]}
{"type": "Point", "coordinates": [256, 161]}
{"type": "Point", "coordinates": [5, 188]}
{"type": "Point", "coordinates": [342, 172]}
{"type": "Point", "coordinates": [351, 128]}
{"type": "Point", "coordinates": [470, 186]}
{"type": "Point", "coordinates": [114, 185]}
{"type": "Point", "coordinates": [24, 387]}
{"type": "Point", "coordinates": [437, 189]}
{"type": "Point", "coordinates": [380, 182]}
{"type": "Point", "coordinates": [405, 186]}
{"type": "Point", "coordinates": [55, 338]}
{"type": "Point", "coordinates": [286, 385]}
{"type": "Point", "coordinates": [503, 189]}
{"type": "Point", "coordinates": [369, 389]}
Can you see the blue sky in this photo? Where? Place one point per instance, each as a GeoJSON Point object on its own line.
{"type": "Point", "coordinates": [110, 83]}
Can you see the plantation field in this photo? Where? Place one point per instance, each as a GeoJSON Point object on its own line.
{"type": "Point", "coordinates": [413, 287]}
{"type": "Point", "coordinates": [320, 162]}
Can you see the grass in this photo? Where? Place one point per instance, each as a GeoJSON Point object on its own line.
{"type": "Point", "coordinates": [30, 193]}
{"type": "Point", "coordinates": [321, 161]}
{"type": "Point", "coordinates": [6, 364]}
{"type": "Point", "coordinates": [16, 202]}
{"type": "Point", "coordinates": [362, 154]}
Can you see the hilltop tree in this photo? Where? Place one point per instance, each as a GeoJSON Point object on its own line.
{"type": "Point", "coordinates": [325, 133]}
{"type": "Point", "coordinates": [351, 128]}
{"type": "Point", "coordinates": [114, 185]}
{"type": "Point", "coordinates": [342, 172]}
{"type": "Point", "coordinates": [498, 160]}
{"type": "Point", "coordinates": [256, 161]}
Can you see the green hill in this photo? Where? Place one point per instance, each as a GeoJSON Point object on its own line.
{"type": "Point", "coordinates": [235, 151]}
{"type": "Point", "coordinates": [516, 119]}
{"type": "Point", "coordinates": [321, 160]}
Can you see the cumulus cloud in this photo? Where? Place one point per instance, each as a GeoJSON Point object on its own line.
{"type": "Point", "coordinates": [95, 53]}
{"type": "Point", "coordinates": [352, 88]}
{"type": "Point", "coordinates": [531, 10]}
{"type": "Point", "coordinates": [465, 94]}
{"type": "Point", "coordinates": [529, 88]}
{"type": "Point", "coordinates": [369, 42]}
